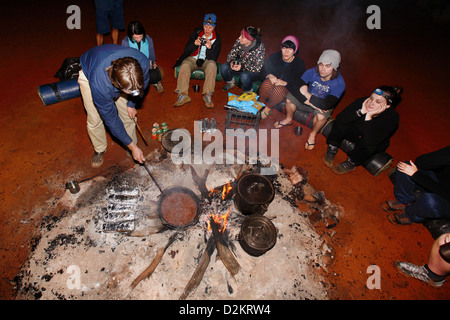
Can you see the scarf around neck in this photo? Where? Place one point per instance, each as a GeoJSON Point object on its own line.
{"type": "Point", "coordinates": [201, 34]}
{"type": "Point", "coordinates": [143, 47]}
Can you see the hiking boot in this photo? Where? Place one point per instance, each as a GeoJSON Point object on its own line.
{"type": "Point", "coordinates": [229, 85]}
{"type": "Point", "coordinates": [418, 272]}
{"type": "Point", "coordinates": [207, 98]}
{"type": "Point", "coordinates": [159, 88]}
{"type": "Point", "coordinates": [393, 205]}
{"type": "Point", "coordinates": [344, 167]}
{"type": "Point", "coordinates": [328, 158]}
{"type": "Point", "coordinates": [182, 99]}
{"type": "Point", "coordinates": [97, 159]}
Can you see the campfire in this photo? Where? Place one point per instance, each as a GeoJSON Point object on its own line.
{"type": "Point", "coordinates": [143, 258]}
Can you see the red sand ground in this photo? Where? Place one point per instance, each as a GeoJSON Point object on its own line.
{"type": "Point", "coordinates": [45, 146]}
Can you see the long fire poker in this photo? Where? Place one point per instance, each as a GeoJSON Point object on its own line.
{"type": "Point", "coordinates": [140, 131]}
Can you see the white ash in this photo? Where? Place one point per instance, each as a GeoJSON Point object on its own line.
{"type": "Point", "coordinates": [109, 262]}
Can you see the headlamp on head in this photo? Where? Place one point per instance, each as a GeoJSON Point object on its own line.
{"type": "Point", "coordinates": [380, 92]}
{"type": "Point", "coordinates": [134, 93]}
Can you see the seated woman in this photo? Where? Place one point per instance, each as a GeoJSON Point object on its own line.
{"type": "Point", "coordinates": [138, 39]}
{"type": "Point", "coordinates": [367, 122]}
{"type": "Point", "coordinates": [422, 189]}
{"type": "Point", "coordinates": [280, 74]}
{"type": "Point", "coordinates": [245, 60]}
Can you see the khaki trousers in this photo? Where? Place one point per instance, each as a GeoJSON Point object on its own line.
{"type": "Point", "coordinates": [95, 127]}
{"type": "Point", "coordinates": [188, 66]}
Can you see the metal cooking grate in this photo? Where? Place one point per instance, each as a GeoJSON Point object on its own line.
{"type": "Point", "coordinates": [242, 120]}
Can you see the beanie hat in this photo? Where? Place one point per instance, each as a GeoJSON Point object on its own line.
{"type": "Point", "coordinates": [294, 41]}
{"type": "Point", "coordinates": [211, 19]}
{"type": "Point", "coordinates": [331, 57]}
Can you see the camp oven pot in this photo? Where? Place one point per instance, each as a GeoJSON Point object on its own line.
{"type": "Point", "coordinates": [253, 194]}
{"type": "Point", "coordinates": [258, 235]}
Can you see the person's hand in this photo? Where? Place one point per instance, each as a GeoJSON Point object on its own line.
{"type": "Point", "coordinates": [208, 43]}
{"type": "Point", "coordinates": [372, 113]}
{"type": "Point", "coordinates": [272, 78]}
{"type": "Point", "coordinates": [364, 106]}
{"type": "Point", "coordinates": [197, 42]}
{"type": "Point", "coordinates": [137, 153]}
{"type": "Point", "coordinates": [131, 112]}
{"type": "Point", "coordinates": [408, 169]}
{"type": "Point", "coordinates": [280, 82]}
{"type": "Point", "coordinates": [304, 91]}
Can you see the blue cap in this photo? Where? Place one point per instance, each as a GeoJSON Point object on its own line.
{"type": "Point", "coordinates": [211, 19]}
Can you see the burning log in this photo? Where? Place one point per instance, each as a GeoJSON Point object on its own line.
{"type": "Point", "coordinates": [224, 251]}
{"type": "Point", "coordinates": [216, 240]}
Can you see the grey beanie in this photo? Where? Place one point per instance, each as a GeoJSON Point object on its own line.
{"type": "Point", "coordinates": [331, 57]}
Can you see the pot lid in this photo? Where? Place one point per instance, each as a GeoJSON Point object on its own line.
{"type": "Point", "coordinates": [255, 188]}
{"type": "Point", "coordinates": [258, 232]}
{"type": "Point", "coordinates": [182, 135]}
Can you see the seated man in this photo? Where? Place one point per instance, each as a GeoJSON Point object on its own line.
{"type": "Point", "coordinates": [112, 77]}
{"type": "Point", "coordinates": [201, 51]}
{"type": "Point", "coordinates": [319, 93]}
{"type": "Point", "coordinates": [422, 189]}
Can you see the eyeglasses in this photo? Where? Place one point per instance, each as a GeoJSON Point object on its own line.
{"type": "Point", "coordinates": [380, 92]}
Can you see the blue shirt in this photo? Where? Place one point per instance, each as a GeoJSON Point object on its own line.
{"type": "Point", "coordinates": [94, 63]}
{"type": "Point", "coordinates": [321, 89]}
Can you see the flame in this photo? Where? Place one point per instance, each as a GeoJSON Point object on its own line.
{"type": "Point", "coordinates": [220, 219]}
{"type": "Point", "coordinates": [226, 188]}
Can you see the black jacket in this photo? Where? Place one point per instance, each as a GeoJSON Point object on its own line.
{"type": "Point", "coordinates": [377, 131]}
{"type": "Point", "coordinates": [190, 48]}
{"type": "Point", "coordinates": [289, 72]}
{"type": "Point", "coordinates": [438, 162]}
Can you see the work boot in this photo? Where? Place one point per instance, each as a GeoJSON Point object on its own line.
{"type": "Point", "coordinates": [328, 158]}
{"type": "Point", "coordinates": [182, 99]}
{"type": "Point", "coordinates": [229, 85]}
{"type": "Point", "coordinates": [344, 167]}
{"type": "Point", "coordinates": [207, 98]}
{"type": "Point", "coordinates": [97, 159]}
{"type": "Point", "coordinates": [420, 272]}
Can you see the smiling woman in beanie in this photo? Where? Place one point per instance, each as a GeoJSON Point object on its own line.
{"type": "Point", "coordinates": [280, 74]}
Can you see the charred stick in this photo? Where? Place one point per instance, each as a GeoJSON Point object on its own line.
{"type": "Point", "coordinates": [148, 272]}
{"type": "Point", "coordinates": [197, 276]}
{"type": "Point", "coordinates": [156, 260]}
{"type": "Point", "coordinates": [200, 182]}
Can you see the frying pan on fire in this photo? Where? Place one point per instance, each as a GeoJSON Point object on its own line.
{"type": "Point", "coordinates": [178, 207]}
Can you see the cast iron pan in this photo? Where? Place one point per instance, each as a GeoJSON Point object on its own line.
{"type": "Point", "coordinates": [178, 207]}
